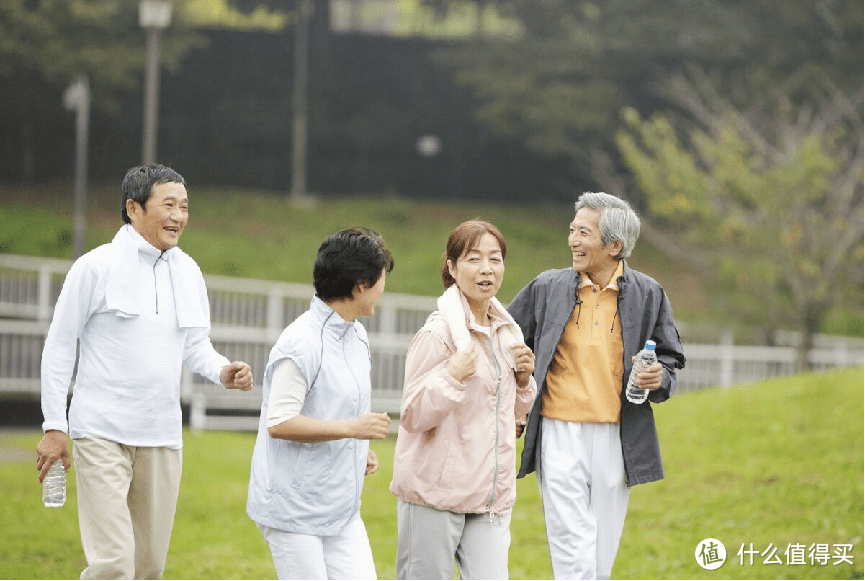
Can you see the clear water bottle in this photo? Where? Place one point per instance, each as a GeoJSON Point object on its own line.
{"type": "Point", "coordinates": [645, 358]}
{"type": "Point", "coordinates": [54, 485]}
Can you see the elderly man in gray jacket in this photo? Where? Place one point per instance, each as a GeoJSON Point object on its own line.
{"type": "Point", "coordinates": [586, 441]}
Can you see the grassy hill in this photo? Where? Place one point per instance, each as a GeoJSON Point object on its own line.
{"type": "Point", "coordinates": [259, 235]}
{"type": "Point", "coordinates": [779, 462]}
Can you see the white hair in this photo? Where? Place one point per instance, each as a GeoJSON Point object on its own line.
{"type": "Point", "coordinates": [617, 220]}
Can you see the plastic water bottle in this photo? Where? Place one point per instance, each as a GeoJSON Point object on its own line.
{"type": "Point", "coordinates": [54, 486]}
{"type": "Point", "coordinates": [645, 358]}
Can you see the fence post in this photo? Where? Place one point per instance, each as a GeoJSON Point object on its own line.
{"type": "Point", "coordinates": [727, 359]}
{"type": "Point", "coordinates": [275, 315]}
{"type": "Point", "coordinates": [43, 298]}
{"type": "Point", "coordinates": [198, 412]}
{"type": "Point", "coordinates": [388, 316]}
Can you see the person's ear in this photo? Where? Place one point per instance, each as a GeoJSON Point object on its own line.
{"type": "Point", "coordinates": [452, 269]}
{"type": "Point", "coordinates": [358, 290]}
{"type": "Point", "coordinates": [131, 208]}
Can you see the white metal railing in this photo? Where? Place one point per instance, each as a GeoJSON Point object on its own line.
{"type": "Point", "coordinates": [248, 316]}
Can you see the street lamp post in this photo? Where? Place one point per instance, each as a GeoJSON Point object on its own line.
{"type": "Point", "coordinates": [153, 16]}
{"type": "Point", "coordinates": [77, 98]}
{"type": "Point", "coordinates": [299, 99]}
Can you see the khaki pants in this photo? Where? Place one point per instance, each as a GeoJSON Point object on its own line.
{"type": "Point", "coordinates": [127, 497]}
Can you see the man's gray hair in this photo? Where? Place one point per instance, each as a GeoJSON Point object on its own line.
{"type": "Point", "coordinates": [617, 221]}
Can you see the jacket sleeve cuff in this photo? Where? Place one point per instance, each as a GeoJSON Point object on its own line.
{"type": "Point", "coordinates": [453, 389]}
{"type": "Point", "coordinates": [55, 425]}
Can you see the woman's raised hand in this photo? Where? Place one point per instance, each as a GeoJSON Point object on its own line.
{"type": "Point", "coordinates": [463, 363]}
{"type": "Point", "coordinates": [524, 363]}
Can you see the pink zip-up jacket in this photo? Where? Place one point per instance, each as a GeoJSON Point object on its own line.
{"type": "Point", "coordinates": [456, 446]}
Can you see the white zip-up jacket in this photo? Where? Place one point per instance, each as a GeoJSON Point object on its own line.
{"type": "Point", "coordinates": [456, 447]}
{"type": "Point", "coordinates": [140, 315]}
{"type": "Point", "coordinates": [314, 488]}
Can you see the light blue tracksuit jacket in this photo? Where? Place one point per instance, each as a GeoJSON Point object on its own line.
{"type": "Point", "coordinates": [314, 489]}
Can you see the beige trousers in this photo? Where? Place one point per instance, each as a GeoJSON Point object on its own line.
{"type": "Point", "coordinates": [127, 497]}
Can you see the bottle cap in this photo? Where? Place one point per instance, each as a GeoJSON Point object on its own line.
{"type": "Point", "coordinates": [650, 345]}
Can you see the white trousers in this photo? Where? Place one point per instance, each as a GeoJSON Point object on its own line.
{"type": "Point", "coordinates": [346, 555]}
{"type": "Point", "coordinates": [127, 498]}
{"type": "Point", "coordinates": [430, 539]}
{"type": "Point", "coordinates": [585, 496]}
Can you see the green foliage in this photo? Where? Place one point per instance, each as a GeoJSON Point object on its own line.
{"type": "Point", "coordinates": [560, 84]}
{"type": "Point", "coordinates": [221, 13]}
{"type": "Point", "coordinates": [60, 40]}
{"type": "Point", "coordinates": [772, 200]}
{"type": "Point", "coordinates": [442, 19]}
{"type": "Point", "coordinates": [776, 462]}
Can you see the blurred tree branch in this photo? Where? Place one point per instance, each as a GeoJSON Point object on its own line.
{"type": "Point", "coordinates": [559, 86]}
{"type": "Point", "coordinates": [61, 39]}
{"type": "Point", "coordinates": [771, 194]}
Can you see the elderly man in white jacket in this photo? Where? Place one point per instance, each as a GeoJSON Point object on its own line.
{"type": "Point", "coordinates": [138, 309]}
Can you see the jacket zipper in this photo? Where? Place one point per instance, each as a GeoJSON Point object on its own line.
{"type": "Point", "coordinates": [155, 285]}
{"type": "Point", "coordinates": [498, 407]}
{"type": "Point", "coordinates": [355, 443]}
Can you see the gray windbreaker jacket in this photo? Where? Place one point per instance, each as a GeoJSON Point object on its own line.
{"type": "Point", "coordinates": [543, 308]}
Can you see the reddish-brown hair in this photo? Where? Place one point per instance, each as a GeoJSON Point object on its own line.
{"type": "Point", "coordinates": [464, 238]}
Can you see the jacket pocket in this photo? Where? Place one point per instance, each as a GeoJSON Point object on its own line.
{"type": "Point", "coordinates": [281, 462]}
{"type": "Point", "coordinates": [447, 472]}
{"type": "Point", "coordinates": [298, 471]}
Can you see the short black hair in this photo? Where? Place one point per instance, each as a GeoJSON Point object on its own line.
{"type": "Point", "coordinates": [350, 257]}
{"type": "Point", "coordinates": [139, 182]}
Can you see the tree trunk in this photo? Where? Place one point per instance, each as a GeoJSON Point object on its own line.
{"type": "Point", "coordinates": [810, 327]}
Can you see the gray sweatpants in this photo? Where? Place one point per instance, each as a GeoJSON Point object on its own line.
{"type": "Point", "coordinates": [430, 539]}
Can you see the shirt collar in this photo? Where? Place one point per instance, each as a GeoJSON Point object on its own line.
{"type": "Point", "coordinates": [614, 281]}
{"type": "Point", "coordinates": [145, 247]}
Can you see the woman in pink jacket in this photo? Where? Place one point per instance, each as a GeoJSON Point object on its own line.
{"type": "Point", "coordinates": [468, 380]}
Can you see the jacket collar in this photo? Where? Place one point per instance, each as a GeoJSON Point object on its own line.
{"type": "Point", "coordinates": [329, 317]}
{"type": "Point", "coordinates": [622, 279]}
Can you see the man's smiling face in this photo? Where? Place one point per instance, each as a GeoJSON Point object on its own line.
{"type": "Point", "coordinates": [162, 221]}
{"type": "Point", "coordinates": [589, 253]}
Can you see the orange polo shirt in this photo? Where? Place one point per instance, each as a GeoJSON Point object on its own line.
{"type": "Point", "coordinates": [584, 381]}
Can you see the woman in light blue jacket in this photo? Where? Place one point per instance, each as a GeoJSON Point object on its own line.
{"type": "Point", "coordinates": [312, 450]}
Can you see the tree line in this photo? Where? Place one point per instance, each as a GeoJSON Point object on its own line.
{"type": "Point", "coordinates": [734, 126]}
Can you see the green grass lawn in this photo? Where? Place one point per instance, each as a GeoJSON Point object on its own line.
{"type": "Point", "coordinates": [777, 462]}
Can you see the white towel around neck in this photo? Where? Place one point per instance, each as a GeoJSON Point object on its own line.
{"type": "Point", "coordinates": [125, 280]}
{"type": "Point", "coordinates": [454, 309]}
